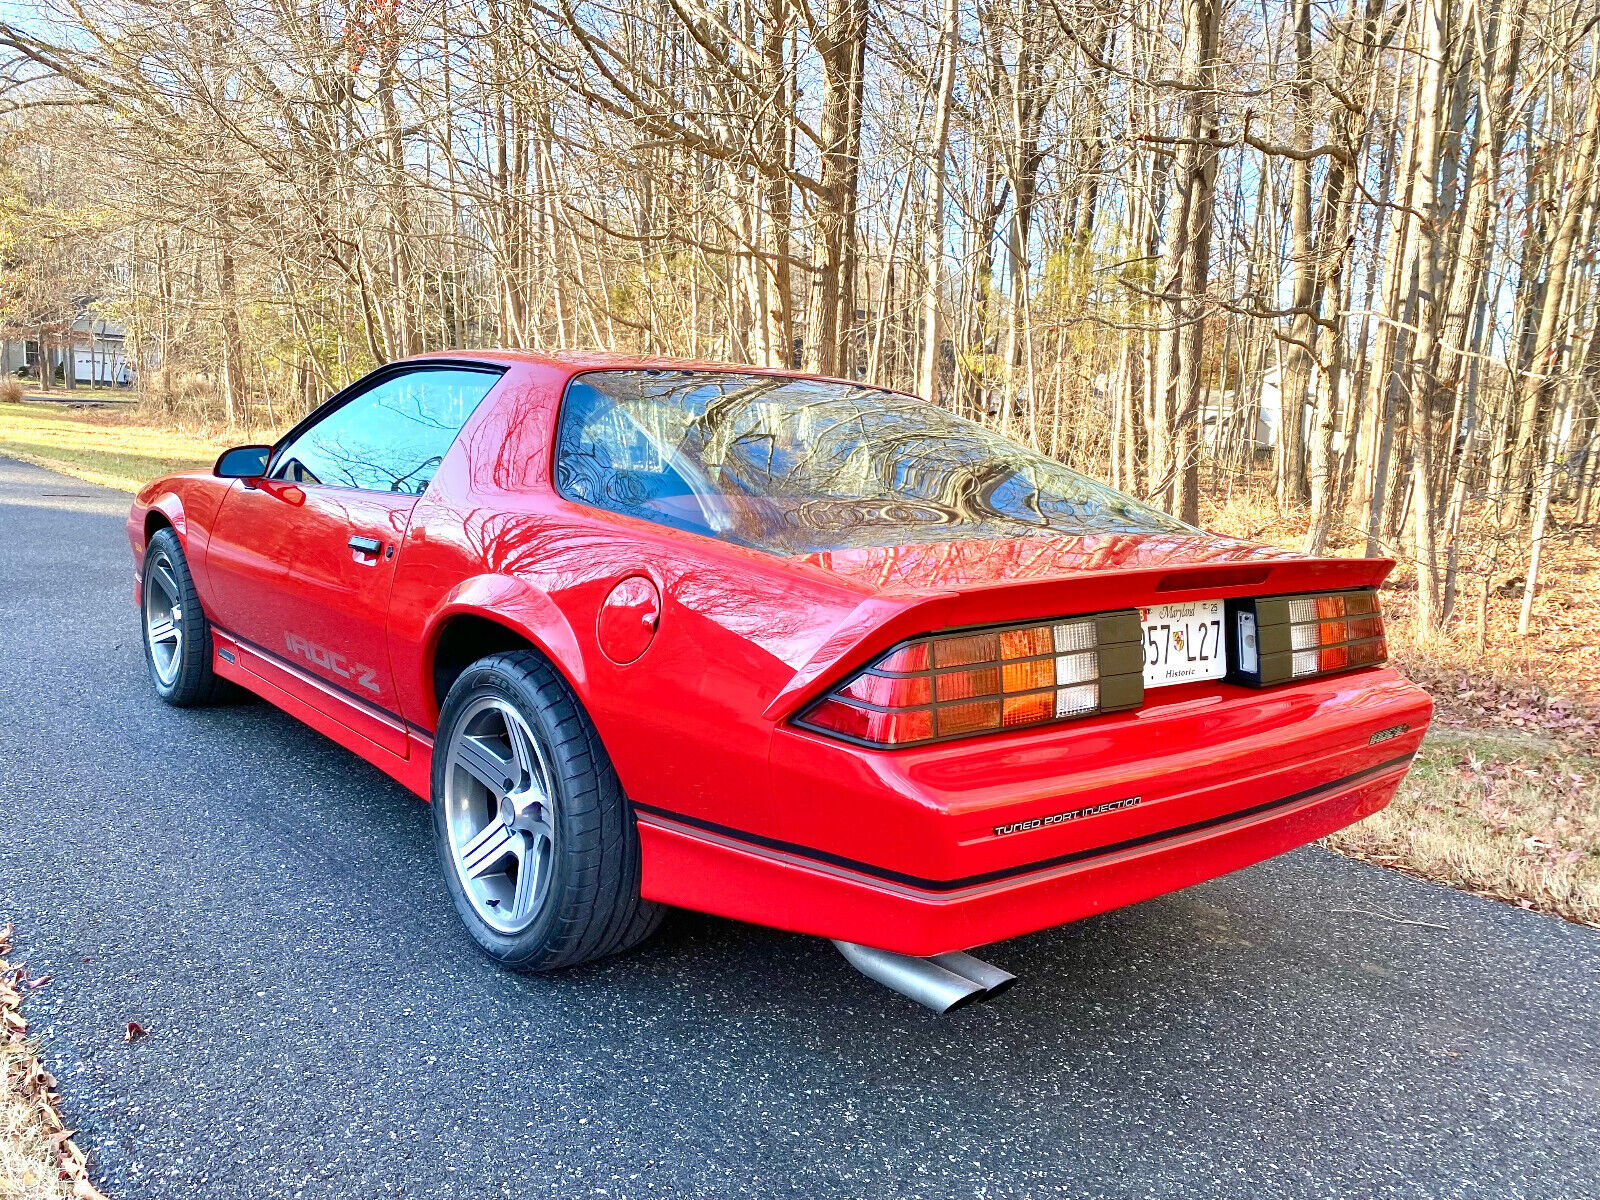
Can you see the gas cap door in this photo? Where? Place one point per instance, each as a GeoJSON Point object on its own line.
{"type": "Point", "coordinates": [628, 619]}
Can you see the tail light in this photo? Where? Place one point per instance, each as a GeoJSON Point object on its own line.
{"type": "Point", "coordinates": [1296, 637]}
{"type": "Point", "coordinates": [955, 685]}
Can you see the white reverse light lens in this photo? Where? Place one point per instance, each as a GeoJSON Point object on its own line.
{"type": "Point", "coordinates": [1079, 635]}
{"type": "Point", "coordinates": [1303, 608]}
{"type": "Point", "coordinates": [1077, 668]}
{"type": "Point", "coordinates": [1073, 700]}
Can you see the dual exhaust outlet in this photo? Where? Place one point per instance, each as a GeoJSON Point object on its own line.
{"type": "Point", "coordinates": [942, 983]}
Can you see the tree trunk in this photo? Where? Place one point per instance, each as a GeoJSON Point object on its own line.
{"type": "Point", "coordinates": [1429, 275]}
{"type": "Point", "coordinates": [776, 278]}
{"type": "Point", "coordinates": [233, 383]}
{"type": "Point", "coordinates": [1023, 162]}
{"type": "Point", "coordinates": [1549, 345]}
{"type": "Point", "coordinates": [1399, 269]}
{"type": "Point", "coordinates": [841, 44]}
{"type": "Point", "coordinates": [1295, 382]}
{"type": "Point", "coordinates": [933, 242]}
{"type": "Point", "coordinates": [1185, 269]}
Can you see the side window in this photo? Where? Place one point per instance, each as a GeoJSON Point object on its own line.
{"type": "Point", "coordinates": [390, 438]}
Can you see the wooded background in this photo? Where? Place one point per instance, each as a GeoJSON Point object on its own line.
{"type": "Point", "coordinates": [1097, 227]}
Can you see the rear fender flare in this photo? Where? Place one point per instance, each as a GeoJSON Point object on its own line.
{"type": "Point", "coordinates": [517, 606]}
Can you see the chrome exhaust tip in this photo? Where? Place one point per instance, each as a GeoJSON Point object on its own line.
{"type": "Point", "coordinates": [943, 983]}
{"type": "Point", "coordinates": [989, 977]}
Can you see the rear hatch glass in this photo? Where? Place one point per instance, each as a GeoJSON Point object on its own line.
{"type": "Point", "coordinates": [799, 466]}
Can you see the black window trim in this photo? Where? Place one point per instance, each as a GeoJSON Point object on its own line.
{"type": "Point", "coordinates": [372, 379]}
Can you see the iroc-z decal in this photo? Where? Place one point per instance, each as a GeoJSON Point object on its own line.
{"type": "Point", "coordinates": [332, 660]}
{"type": "Point", "coordinates": [1383, 735]}
{"type": "Point", "coordinates": [1062, 818]}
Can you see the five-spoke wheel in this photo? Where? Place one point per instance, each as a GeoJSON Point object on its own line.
{"type": "Point", "coordinates": [538, 843]}
{"type": "Point", "coordinates": [177, 639]}
{"type": "Point", "coordinates": [163, 616]}
{"type": "Point", "coordinates": [499, 811]}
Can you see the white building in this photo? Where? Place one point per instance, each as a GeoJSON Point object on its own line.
{"type": "Point", "coordinates": [1216, 409]}
{"type": "Point", "coordinates": [98, 352]}
{"type": "Point", "coordinates": [1219, 412]}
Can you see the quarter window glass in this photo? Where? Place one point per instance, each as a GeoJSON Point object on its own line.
{"type": "Point", "coordinates": [390, 438]}
{"type": "Point", "coordinates": [796, 466]}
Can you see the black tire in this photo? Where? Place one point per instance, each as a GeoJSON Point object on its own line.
{"type": "Point", "coordinates": [180, 671]}
{"type": "Point", "coordinates": [590, 904]}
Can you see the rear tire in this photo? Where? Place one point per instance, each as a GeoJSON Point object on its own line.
{"type": "Point", "coordinates": [538, 843]}
{"type": "Point", "coordinates": [177, 636]}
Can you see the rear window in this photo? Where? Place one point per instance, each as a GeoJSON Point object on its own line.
{"type": "Point", "coordinates": [798, 466]}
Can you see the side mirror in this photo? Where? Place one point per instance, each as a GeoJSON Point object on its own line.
{"type": "Point", "coordinates": [243, 462]}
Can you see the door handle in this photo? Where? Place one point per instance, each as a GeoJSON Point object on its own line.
{"type": "Point", "coordinates": [366, 545]}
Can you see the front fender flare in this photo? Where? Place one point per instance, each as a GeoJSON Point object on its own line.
{"type": "Point", "coordinates": [170, 506]}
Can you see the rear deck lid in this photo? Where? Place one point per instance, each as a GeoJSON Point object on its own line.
{"type": "Point", "coordinates": [929, 588]}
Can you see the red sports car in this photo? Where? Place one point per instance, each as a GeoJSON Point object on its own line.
{"type": "Point", "coordinates": [786, 649]}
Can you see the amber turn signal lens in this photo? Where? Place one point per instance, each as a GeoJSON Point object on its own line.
{"type": "Point", "coordinates": [1300, 637]}
{"type": "Point", "coordinates": [955, 685]}
{"type": "Point", "coordinates": [1029, 676]}
{"type": "Point", "coordinates": [1027, 710]}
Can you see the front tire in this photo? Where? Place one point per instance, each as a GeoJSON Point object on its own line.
{"type": "Point", "coordinates": [177, 636]}
{"type": "Point", "coordinates": [538, 842]}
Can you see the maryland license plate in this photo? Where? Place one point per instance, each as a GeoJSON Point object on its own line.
{"type": "Point", "coordinates": [1183, 643]}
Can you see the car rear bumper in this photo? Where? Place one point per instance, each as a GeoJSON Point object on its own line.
{"type": "Point", "coordinates": [1082, 844]}
{"type": "Point", "coordinates": [772, 886]}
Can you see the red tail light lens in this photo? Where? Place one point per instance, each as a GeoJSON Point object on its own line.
{"type": "Point", "coordinates": [1298, 637]}
{"type": "Point", "coordinates": [956, 685]}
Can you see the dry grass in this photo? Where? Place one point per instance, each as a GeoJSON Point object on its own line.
{"type": "Point", "coordinates": [172, 394]}
{"type": "Point", "coordinates": [38, 1158]}
{"type": "Point", "coordinates": [114, 446]}
{"type": "Point", "coordinates": [1515, 817]}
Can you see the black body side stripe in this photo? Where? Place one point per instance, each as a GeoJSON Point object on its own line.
{"type": "Point", "coordinates": [1043, 864]}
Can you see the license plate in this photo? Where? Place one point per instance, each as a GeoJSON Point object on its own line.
{"type": "Point", "coordinates": [1183, 642]}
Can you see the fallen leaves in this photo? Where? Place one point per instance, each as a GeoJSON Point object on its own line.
{"type": "Point", "coordinates": [135, 1032]}
{"type": "Point", "coordinates": [1484, 698]}
{"type": "Point", "coordinates": [1515, 817]}
{"type": "Point", "coordinates": [37, 1154]}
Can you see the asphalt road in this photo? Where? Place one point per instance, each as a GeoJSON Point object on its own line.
{"type": "Point", "coordinates": [268, 907]}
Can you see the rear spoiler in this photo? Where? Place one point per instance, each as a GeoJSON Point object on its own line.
{"type": "Point", "coordinates": [886, 618]}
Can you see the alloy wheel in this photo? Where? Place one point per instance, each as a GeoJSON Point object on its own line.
{"type": "Point", "coordinates": [500, 814]}
{"type": "Point", "coordinates": [163, 618]}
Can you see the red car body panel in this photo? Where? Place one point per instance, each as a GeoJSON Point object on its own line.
{"type": "Point", "coordinates": [740, 811]}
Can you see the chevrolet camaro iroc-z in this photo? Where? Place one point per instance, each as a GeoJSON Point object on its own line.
{"type": "Point", "coordinates": [785, 649]}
